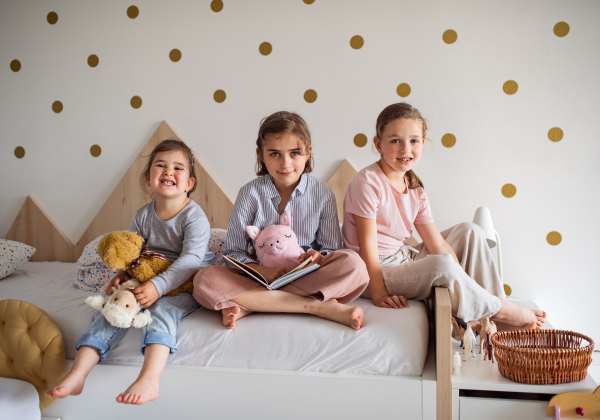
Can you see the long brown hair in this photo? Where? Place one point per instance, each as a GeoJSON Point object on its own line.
{"type": "Point", "coordinates": [404, 111]}
{"type": "Point", "coordinates": [279, 123]}
{"type": "Point", "coordinates": [170, 145]}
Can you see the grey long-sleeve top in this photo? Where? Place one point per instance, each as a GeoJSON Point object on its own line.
{"type": "Point", "coordinates": [183, 240]}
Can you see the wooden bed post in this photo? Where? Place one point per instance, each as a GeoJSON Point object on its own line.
{"type": "Point", "coordinates": [443, 353]}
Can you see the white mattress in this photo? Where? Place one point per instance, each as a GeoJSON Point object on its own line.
{"type": "Point", "coordinates": [391, 342]}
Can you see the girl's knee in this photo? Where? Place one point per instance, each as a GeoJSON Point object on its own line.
{"type": "Point", "coordinates": [207, 273]}
{"type": "Point", "coordinates": [443, 263]}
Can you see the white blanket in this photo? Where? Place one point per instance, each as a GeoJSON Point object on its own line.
{"type": "Point", "coordinates": [391, 341]}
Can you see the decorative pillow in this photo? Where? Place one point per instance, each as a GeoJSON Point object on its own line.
{"type": "Point", "coordinates": [13, 255]}
{"type": "Point", "coordinates": [216, 245]}
{"type": "Point", "coordinates": [92, 273]}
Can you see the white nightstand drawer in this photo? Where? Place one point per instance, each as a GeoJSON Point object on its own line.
{"type": "Point", "coordinates": [472, 408]}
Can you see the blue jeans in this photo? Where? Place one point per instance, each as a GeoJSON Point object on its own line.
{"type": "Point", "coordinates": [167, 313]}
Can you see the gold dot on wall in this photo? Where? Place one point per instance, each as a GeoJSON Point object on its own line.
{"type": "Point", "coordinates": [448, 140]}
{"type": "Point", "coordinates": [57, 106]}
{"type": "Point", "coordinates": [357, 42]}
{"type": "Point", "coordinates": [15, 65]}
{"type": "Point", "coordinates": [52, 18]}
{"type": "Point", "coordinates": [175, 55]}
{"type": "Point", "coordinates": [133, 12]}
{"type": "Point", "coordinates": [216, 5]}
{"type": "Point", "coordinates": [561, 29]}
{"type": "Point", "coordinates": [509, 190]}
{"type": "Point", "coordinates": [554, 238]}
{"type": "Point", "coordinates": [360, 140]}
{"type": "Point", "coordinates": [310, 96]}
{"type": "Point", "coordinates": [403, 90]}
{"type": "Point", "coordinates": [309, 1]}
{"type": "Point", "coordinates": [136, 102]}
{"type": "Point", "coordinates": [507, 290]}
{"type": "Point", "coordinates": [510, 87]}
{"type": "Point", "coordinates": [19, 152]}
{"type": "Point", "coordinates": [95, 150]}
{"type": "Point", "coordinates": [450, 36]}
{"type": "Point", "coordinates": [93, 60]}
{"type": "Point", "coordinates": [265, 48]}
{"type": "Point", "coordinates": [555, 134]}
{"type": "Point", "coordinates": [220, 96]}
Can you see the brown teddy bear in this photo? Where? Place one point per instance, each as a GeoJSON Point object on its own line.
{"type": "Point", "coordinates": [123, 251]}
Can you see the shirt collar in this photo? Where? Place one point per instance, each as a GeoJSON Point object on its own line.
{"type": "Point", "coordinates": [299, 190]}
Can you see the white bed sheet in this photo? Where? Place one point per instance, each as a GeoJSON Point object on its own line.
{"type": "Point", "coordinates": [391, 342]}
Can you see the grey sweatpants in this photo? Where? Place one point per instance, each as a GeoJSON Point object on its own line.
{"type": "Point", "coordinates": [475, 286]}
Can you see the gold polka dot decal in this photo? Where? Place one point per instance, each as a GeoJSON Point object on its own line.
{"type": "Point", "coordinates": [357, 42]}
{"type": "Point", "coordinates": [133, 12]}
{"type": "Point", "coordinates": [220, 96]}
{"type": "Point", "coordinates": [554, 238]}
{"type": "Point", "coordinates": [265, 48]}
{"type": "Point", "coordinates": [448, 140]}
{"type": "Point", "coordinates": [507, 290]}
{"type": "Point", "coordinates": [52, 18]}
{"type": "Point", "coordinates": [509, 190]}
{"type": "Point", "coordinates": [310, 96]}
{"type": "Point", "coordinates": [15, 65]}
{"type": "Point", "coordinates": [216, 6]}
{"type": "Point", "coordinates": [309, 1]}
{"type": "Point", "coordinates": [175, 55]}
{"type": "Point", "coordinates": [136, 102]}
{"type": "Point", "coordinates": [450, 36]}
{"type": "Point", "coordinates": [95, 150]}
{"type": "Point", "coordinates": [360, 140]}
{"type": "Point", "coordinates": [19, 152]}
{"type": "Point", "coordinates": [555, 134]}
{"type": "Point", "coordinates": [561, 29]}
{"type": "Point", "coordinates": [403, 90]}
{"type": "Point", "coordinates": [93, 60]}
{"type": "Point", "coordinates": [510, 87]}
{"type": "Point", "coordinates": [57, 107]}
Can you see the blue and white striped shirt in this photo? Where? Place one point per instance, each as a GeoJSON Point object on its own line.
{"type": "Point", "coordinates": [312, 207]}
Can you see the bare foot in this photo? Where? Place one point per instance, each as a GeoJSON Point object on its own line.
{"type": "Point", "coordinates": [140, 392]}
{"type": "Point", "coordinates": [515, 316]}
{"type": "Point", "coordinates": [230, 315]}
{"type": "Point", "coordinates": [72, 384]}
{"type": "Point", "coordinates": [351, 316]}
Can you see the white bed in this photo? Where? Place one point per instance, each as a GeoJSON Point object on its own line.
{"type": "Point", "coordinates": [275, 356]}
{"type": "Point", "coordinates": [270, 366]}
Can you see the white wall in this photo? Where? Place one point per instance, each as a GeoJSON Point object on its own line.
{"type": "Point", "coordinates": [500, 138]}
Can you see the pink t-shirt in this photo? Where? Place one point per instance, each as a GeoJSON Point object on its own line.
{"type": "Point", "coordinates": [371, 195]}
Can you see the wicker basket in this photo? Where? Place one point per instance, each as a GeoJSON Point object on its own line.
{"type": "Point", "coordinates": [542, 356]}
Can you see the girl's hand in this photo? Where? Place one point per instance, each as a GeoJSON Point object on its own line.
{"type": "Point", "coordinates": [315, 255]}
{"type": "Point", "coordinates": [121, 277]}
{"type": "Point", "coordinates": [387, 301]}
{"type": "Point", "coordinates": [269, 273]}
{"type": "Point", "coordinates": [146, 294]}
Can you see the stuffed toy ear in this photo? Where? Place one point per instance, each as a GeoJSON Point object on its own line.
{"type": "Point", "coordinates": [252, 232]}
{"type": "Point", "coordinates": [286, 219]}
{"type": "Point", "coordinates": [95, 302]}
{"type": "Point", "coordinates": [142, 319]}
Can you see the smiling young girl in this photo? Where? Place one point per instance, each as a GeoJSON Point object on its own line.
{"type": "Point", "coordinates": [381, 204]}
{"type": "Point", "coordinates": [176, 227]}
{"type": "Point", "coordinates": [284, 161]}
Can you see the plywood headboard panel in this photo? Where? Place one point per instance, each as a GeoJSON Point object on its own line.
{"type": "Point", "coordinates": [33, 226]}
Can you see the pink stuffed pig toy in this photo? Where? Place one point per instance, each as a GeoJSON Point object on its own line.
{"type": "Point", "coordinates": [276, 245]}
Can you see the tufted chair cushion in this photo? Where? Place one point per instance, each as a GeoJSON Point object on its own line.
{"type": "Point", "coordinates": [31, 347]}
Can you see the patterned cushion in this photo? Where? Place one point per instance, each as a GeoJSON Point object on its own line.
{"type": "Point", "coordinates": [92, 273]}
{"type": "Point", "coordinates": [216, 245]}
{"type": "Point", "coordinates": [13, 255]}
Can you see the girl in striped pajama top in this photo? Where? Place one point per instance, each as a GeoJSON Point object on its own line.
{"type": "Point", "coordinates": [284, 163]}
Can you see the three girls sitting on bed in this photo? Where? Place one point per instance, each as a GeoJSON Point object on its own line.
{"type": "Point", "coordinates": [381, 203]}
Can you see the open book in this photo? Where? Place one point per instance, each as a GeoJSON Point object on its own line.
{"type": "Point", "coordinates": [289, 277]}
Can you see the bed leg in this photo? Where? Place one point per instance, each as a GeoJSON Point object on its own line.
{"type": "Point", "coordinates": [443, 353]}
